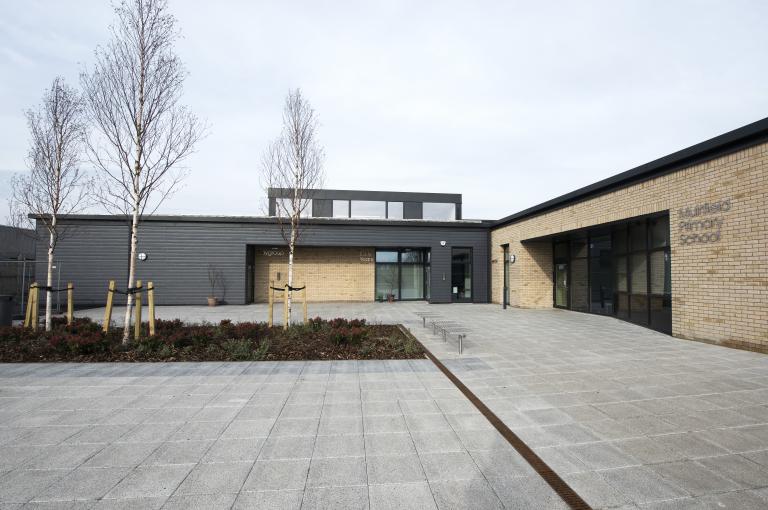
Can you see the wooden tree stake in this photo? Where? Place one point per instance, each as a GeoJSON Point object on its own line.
{"type": "Point", "coordinates": [108, 309]}
{"type": "Point", "coordinates": [35, 306]}
{"type": "Point", "coordinates": [304, 299]}
{"type": "Point", "coordinates": [151, 303]}
{"type": "Point", "coordinates": [285, 307]}
{"type": "Point", "coordinates": [271, 301]}
{"type": "Point", "coordinates": [137, 320]}
{"type": "Point", "coordinates": [70, 304]}
{"type": "Point", "coordinates": [28, 316]}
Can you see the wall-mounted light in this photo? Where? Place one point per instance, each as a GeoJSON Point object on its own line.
{"type": "Point", "coordinates": [142, 256]}
{"type": "Point", "coordinates": [442, 243]}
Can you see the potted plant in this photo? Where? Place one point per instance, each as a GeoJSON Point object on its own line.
{"type": "Point", "coordinates": [214, 278]}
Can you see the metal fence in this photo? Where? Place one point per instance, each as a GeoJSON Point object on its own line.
{"type": "Point", "coordinates": [16, 277]}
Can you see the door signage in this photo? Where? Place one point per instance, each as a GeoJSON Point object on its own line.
{"type": "Point", "coordinates": [702, 223]}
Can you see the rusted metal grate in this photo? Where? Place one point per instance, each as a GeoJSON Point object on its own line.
{"type": "Point", "coordinates": [566, 493]}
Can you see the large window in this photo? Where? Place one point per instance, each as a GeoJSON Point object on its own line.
{"type": "Point", "coordinates": [402, 274]}
{"type": "Point", "coordinates": [368, 209]}
{"type": "Point", "coordinates": [623, 270]}
{"type": "Point", "coordinates": [395, 210]}
{"type": "Point", "coordinates": [284, 208]}
{"type": "Point", "coordinates": [642, 262]}
{"type": "Point", "coordinates": [438, 211]}
{"type": "Point", "coordinates": [341, 208]}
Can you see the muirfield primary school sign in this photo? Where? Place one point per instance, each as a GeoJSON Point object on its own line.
{"type": "Point", "coordinates": [702, 223]}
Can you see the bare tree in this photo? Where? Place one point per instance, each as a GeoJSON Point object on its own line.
{"type": "Point", "coordinates": [143, 133]}
{"type": "Point", "coordinates": [55, 185]}
{"type": "Point", "coordinates": [294, 161]}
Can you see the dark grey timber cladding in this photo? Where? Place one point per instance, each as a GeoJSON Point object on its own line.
{"type": "Point", "coordinates": [179, 253]}
{"type": "Point", "coordinates": [89, 254]}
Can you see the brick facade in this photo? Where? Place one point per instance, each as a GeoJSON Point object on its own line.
{"type": "Point", "coordinates": [719, 281]}
{"type": "Point", "coordinates": [331, 274]}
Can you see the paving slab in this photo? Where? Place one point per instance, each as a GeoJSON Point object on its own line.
{"type": "Point", "coordinates": [625, 414]}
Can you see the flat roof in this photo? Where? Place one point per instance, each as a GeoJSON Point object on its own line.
{"type": "Point", "coordinates": [349, 194]}
{"type": "Point", "coordinates": [732, 141]}
{"type": "Point", "coordinates": [192, 218]}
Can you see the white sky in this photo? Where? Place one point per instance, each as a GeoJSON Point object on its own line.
{"type": "Point", "coordinates": [508, 103]}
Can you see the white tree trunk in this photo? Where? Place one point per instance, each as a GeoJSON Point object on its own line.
{"type": "Point", "coordinates": [49, 279]}
{"type": "Point", "coordinates": [291, 249]}
{"type": "Point", "coordinates": [131, 273]}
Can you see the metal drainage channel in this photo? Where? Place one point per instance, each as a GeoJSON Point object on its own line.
{"type": "Point", "coordinates": [566, 493]}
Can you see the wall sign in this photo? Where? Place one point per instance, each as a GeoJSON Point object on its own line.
{"type": "Point", "coordinates": [273, 252]}
{"type": "Point", "coordinates": [702, 223]}
{"type": "Point", "coordinates": [366, 256]}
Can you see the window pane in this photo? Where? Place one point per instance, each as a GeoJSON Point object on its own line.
{"type": "Point", "coordinates": [341, 208]}
{"type": "Point", "coordinates": [601, 275]}
{"type": "Point", "coordinates": [620, 240]}
{"type": "Point", "coordinates": [660, 268]}
{"type": "Point", "coordinates": [284, 208]}
{"type": "Point", "coordinates": [600, 245]}
{"type": "Point", "coordinates": [412, 281]}
{"type": "Point", "coordinates": [660, 232]}
{"type": "Point", "coordinates": [461, 273]}
{"type": "Point", "coordinates": [579, 247]}
{"type": "Point", "coordinates": [438, 211]}
{"type": "Point", "coordinates": [638, 311]}
{"type": "Point", "coordinates": [561, 250]}
{"type": "Point", "coordinates": [387, 281]}
{"type": "Point", "coordinates": [395, 210]}
{"type": "Point", "coordinates": [621, 274]}
{"type": "Point", "coordinates": [579, 285]}
{"type": "Point", "coordinates": [368, 209]}
{"type": "Point", "coordinates": [661, 313]}
{"type": "Point", "coordinates": [412, 256]}
{"type": "Point", "coordinates": [386, 256]}
{"type": "Point", "coordinates": [637, 236]}
{"type": "Point", "coordinates": [639, 273]}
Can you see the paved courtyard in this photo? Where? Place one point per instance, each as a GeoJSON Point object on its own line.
{"type": "Point", "coordinates": [628, 417]}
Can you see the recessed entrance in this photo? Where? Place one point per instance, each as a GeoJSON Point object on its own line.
{"type": "Point", "coordinates": [461, 274]}
{"type": "Point", "coordinates": [623, 270]}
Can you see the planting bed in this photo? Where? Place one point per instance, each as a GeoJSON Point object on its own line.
{"type": "Point", "coordinates": [246, 341]}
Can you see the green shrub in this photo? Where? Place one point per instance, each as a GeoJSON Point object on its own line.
{"type": "Point", "coordinates": [238, 349]}
{"type": "Point", "coordinates": [261, 351]}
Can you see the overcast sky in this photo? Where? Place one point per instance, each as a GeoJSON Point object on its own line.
{"type": "Point", "coordinates": [508, 103]}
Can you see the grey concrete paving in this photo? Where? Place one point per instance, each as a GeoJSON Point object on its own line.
{"type": "Point", "coordinates": [629, 417]}
{"type": "Point", "coordinates": [347, 434]}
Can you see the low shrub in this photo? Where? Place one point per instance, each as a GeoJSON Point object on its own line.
{"type": "Point", "coordinates": [84, 340]}
{"type": "Point", "coordinates": [238, 349]}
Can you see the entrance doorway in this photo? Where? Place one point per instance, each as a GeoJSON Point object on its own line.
{"type": "Point", "coordinates": [461, 274]}
{"type": "Point", "coordinates": [561, 285]}
{"type": "Point", "coordinates": [622, 270]}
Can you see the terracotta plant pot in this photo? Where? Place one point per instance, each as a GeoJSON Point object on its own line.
{"type": "Point", "coordinates": [213, 301]}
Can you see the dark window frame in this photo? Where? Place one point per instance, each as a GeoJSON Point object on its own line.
{"type": "Point", "coordinates": [616, 229]}
{"type": "Point", "coordinates": [425, 264]}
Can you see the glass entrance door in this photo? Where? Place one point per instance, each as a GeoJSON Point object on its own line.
{"type": "Point", "coordinates": [561, 285]}
{"type": "Point", "coordinates": [461, 274]}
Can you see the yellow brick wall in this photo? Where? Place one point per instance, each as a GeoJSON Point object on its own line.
{"type": "Point", "coordinates": [719, 289]}
{"type": "Point", "coordinates": [331, 274]}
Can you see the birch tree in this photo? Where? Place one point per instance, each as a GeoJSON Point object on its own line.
{"type": "Point", "coordinates": [55, 184]}
{"type": "Point", "coordinates": [294, 161]}
{"type": "Point", "coordinates": [142, 132]}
